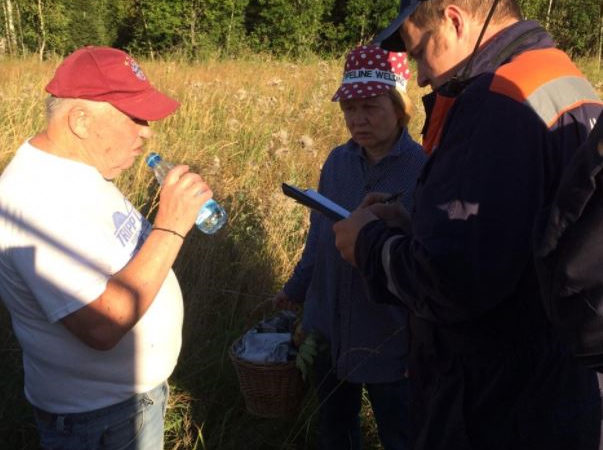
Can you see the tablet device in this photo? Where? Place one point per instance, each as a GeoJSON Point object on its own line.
{"type": "Point", "coordinates": [316, 201]}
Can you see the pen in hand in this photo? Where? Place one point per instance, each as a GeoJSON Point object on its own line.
{"type": "Point", "coordinates": [394, 197]}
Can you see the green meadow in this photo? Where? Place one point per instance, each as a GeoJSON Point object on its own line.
{"type": "Point", "coordinates": [246, 126]}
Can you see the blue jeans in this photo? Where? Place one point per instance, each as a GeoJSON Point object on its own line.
{"type": "Point", "coordinates": [134, 424]}
{"type": "Point", "coordinates": [340, 403]}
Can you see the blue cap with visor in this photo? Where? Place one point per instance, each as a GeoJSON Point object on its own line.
{"type": "Point", "coordinates": [389, 39]}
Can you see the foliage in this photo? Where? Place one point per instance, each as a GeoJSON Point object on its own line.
{"type": "Point", "coordinates": [85, 25]}
{"type": "Point", "coordinates": [154, 26]}
{"type": "Point", "coordinates": [286, 26]}
{"type": "Point", "coordinates": [358, 21]}
{"type": "Point", "coordinates": [573, 23]}
{"type": "Point", "coordinates": [222, 23]}
{"type": "Point", "coordinates": [573, 26]}
{"type": "Point", "coordinates": [197, 28]}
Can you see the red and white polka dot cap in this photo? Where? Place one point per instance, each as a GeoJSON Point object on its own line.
{"type": "Point", "coordinates": [371, 71]}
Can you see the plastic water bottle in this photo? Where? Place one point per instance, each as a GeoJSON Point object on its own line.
{"type": "Point", "coordinates": [211, 216]}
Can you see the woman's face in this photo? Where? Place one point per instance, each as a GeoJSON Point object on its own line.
{"type": "Point", "coordinates": [373, 122]}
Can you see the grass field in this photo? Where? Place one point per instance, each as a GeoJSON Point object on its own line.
{"type": "Point", "coordinates": [246, 126]}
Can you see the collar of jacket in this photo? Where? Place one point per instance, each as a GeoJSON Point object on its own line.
{"type": "Point", "coordinates": [500, 49]}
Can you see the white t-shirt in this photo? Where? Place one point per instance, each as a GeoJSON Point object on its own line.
{"type": "Point", "coordinates": [64, 230]}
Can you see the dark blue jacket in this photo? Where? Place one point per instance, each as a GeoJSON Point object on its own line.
{"type": "Point", "coordinates": [485, 361]}
{"type": "Point", "coordinates": [570, 257]}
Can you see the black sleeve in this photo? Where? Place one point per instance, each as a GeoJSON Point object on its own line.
{"type": "Point", "coordinates": [476, 212]}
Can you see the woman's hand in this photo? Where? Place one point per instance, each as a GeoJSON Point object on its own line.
{"type": "Point", "coordinates": [282, 301]}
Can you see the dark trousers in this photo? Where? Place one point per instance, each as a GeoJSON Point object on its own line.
{"type": "Point", "coordinates": [518, 400]}
{"type": "Point", "coordinates": [340, 403]}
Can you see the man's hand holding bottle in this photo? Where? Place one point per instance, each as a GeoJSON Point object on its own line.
{"type": "Point", "coordinates": [182, 195]}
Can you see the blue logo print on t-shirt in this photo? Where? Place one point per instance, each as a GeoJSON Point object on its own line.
{"type": "Point", "coordinates": [131, 227]}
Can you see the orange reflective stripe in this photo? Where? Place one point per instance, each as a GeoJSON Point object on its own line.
{"type": "Point", "coordinates": [530, 70]}
{"type": "Point", "coordinates": [432, 137]}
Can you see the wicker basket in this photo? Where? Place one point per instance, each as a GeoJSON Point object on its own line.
{"type": "Point", "coordinates": [270, 390]}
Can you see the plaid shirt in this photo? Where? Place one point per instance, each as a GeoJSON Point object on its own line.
{"type": "Point", "coordinates": [368, 340]}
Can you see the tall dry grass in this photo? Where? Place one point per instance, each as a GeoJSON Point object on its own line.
{"type": "Point", "coordinates": [246, 126]}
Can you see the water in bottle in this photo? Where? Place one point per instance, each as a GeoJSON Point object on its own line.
{"type": "Point", "coordinates": [211, 216]}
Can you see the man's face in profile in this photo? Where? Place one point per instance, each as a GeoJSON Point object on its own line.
{"type": "Point", "coordinates": [117, 140]}
{"type": "Point", "coordinates": [438, 50]}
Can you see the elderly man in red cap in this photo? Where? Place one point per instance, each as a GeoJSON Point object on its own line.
{"type": "Point", "coordinates": [87, 280]}
{"type": "Point", "coordinates": [507, 112]}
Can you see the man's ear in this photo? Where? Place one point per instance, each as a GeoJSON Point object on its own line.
{"type": "Point", "coordinates": [78, 119]}
{"type": "Point", "coordinates": [455, 17]}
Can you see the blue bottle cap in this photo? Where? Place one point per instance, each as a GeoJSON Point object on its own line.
{"type": "Point", "coordinates": [153, 159]}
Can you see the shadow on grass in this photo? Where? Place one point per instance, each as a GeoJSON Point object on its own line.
{"type": "Point", "coordinates": [227, 280]}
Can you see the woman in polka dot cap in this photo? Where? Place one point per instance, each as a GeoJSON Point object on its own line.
{"type": "Point", "coordinates": [367, 341]}
{"type": "Point", "coordinates": [375, 75]}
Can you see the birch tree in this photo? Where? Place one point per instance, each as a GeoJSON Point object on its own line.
{"type": "Point", "coordinates": [42, 31]}
{"type": "Point", "coordinates": [548, 13]}
{"type": "Point", "coordinates": [11, 35]}
{"type": "Point", "coordinates": [600, 36]}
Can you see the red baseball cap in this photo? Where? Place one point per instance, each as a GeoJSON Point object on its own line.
{"type": "Point", "coordinates": [106, 74]}
{"type": "Point", "coordinates": [370, 71]}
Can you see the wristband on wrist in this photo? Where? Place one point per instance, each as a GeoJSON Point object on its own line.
{"type": "Point", "coordinates": [167, 230]}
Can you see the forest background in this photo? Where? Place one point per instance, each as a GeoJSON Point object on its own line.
{"type": "Point", "coordinates": [200, 28]}
{"type": "Point", "coordinates": [255, 78]}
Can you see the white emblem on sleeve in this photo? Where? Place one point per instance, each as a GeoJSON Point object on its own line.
{"type": "Point", "coordinates": [460, 210]}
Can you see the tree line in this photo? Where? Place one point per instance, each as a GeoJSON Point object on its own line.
{"type": "Point", "coordinates": [197, 28]}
